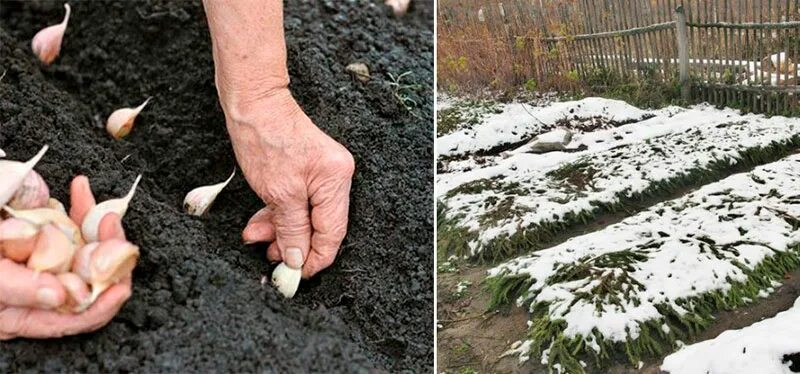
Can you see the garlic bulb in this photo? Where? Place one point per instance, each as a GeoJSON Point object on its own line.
{"type": "Point", "coordinates": [399, 7]}
{"type": "Point", "coordinates": [52, 252]}
{"type": "Point", "coordinates": [17, 238]}
{"type": "Point", "coordinates": [91, 223]}
{"type": "Point", "coordinates": [78, 294]}
{"type": "Point", "coordinates": [45, 216]}
{"type": "Point", "coordinates": [14, 174]}
{"type": "Point", "coordinates": [46, 44]}
{"type": "Point", "coordinates": [198, 200]}
{"type": "Point", "coordinates": [33, 193]}
{"type": "Point", "coordinates": [286, 279]}
{"type": "Point", "coordinates": [111, 261]}
{"type": "Point", "coordinates": [120, 123]}
{"type": "Point", "coordinates": [83, 257]}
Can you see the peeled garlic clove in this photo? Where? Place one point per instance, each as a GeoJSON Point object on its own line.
{"type": "Point", "coordinates": [13, 175]}
{"type": "Point", "coordinates": [198, 200]}
{"type": "Point", "coordinates": [78, 294]}
{"type": "Point", "coordinates": [120, 123]}
{"type": "Point", "coordinates": [17, 239]}
{"type": "Point", "coordinates": [46, 43]}
{"type": "Point", "coordinates": [400, 7]}
{"type": "Point", "coordinates": [286, 279]}
{"type": "Point", "coordinates": [110, 262]}
{"type": "Point", "coordinates": [82, 260]}
{"type": "Point", "coordinates": [91, 223]}
{"type": "Point", "coordinates": [56, 205]}
{"type": "Point", "coordinates": [45, 216]}
{"type": "Point", "coordinates": [52, 252]}
{"type": "Point", "coordinates": [33, 193]}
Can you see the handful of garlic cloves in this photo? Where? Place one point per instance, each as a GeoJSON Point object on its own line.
{"type": "Point", "coordinates": [40, 235]}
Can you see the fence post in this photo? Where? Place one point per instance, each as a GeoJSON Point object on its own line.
{"type": "Point", "coordinates": [683, 52]}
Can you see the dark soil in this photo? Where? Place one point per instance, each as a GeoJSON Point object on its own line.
{"type": "Point", "coordinates": [198, 303]}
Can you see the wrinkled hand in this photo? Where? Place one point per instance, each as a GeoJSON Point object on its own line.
{"type": "Point", "coordinates": [28, 301]}
{"type": "Point", "coordinates": [303, 176]}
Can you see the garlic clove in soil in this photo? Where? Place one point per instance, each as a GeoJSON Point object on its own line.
{"type": "Point", "coordinates": [286, 279]}
{"type": "Point", "coordinates": [46, 44]}
{"type": "Point", "coordinates": [33, 193]}
{"type": "Point", "coordinates": [2, 154]}
{"type": "Point", "coordinates": [82, 260]}
{"type": "Point", "coordinates": [110, 262]}
{"type": "Point", "coordinates": [13, 175]}
{"type": "Point", "coordinates": [91, 223]}
{"type": "Point", "coordinates": [198, 200]}
{"type": "Point", "coordinates": [78, 294]}
{"type": "Point", "coordinates": [45, 216]}
{"type": "Point", "coordinates": [52, 252]}
{"type": "Point", "coordinates": [17, 239]}
{"type": "Point", "coordinates": [120, 123]}
{"type": "Point", "coordinates": [400, 7]}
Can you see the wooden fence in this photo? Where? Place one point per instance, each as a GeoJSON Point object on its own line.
{"type": "Point", "coordinates": [741, 53]}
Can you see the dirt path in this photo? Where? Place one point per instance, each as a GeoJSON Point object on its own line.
{"type": "Point", "coordinates": [198, 302]}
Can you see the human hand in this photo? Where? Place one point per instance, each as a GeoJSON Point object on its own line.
{"type": "Point", "coordinates": [303, 176]}
{"type": "Point", "coordinates": [28, 301]}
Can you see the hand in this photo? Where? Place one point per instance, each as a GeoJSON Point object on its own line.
{"type": "Point", "coordinates": [303, 176]}
{"type": "Point", "coordinates": [28, 301]}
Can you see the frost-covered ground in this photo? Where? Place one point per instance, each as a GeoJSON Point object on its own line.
{"type": "Point", "coordinates": [656, 270]}
{"type": "Point", "coordinates": [769, 346]}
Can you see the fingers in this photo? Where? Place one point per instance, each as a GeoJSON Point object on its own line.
{"type": "Point", "coordinates": [293, 232]}
{"type": "Point", "coordinates": [330, 206]}
{"type": "Point", "coordinates": [40, 324]}
{"type": "Point", "coordinates": [21, 287]}
{"type": "Point", "coordinates": [81, 199]}
{"type": "Point", "coordinates": [274, 253]}
{"type": "Point", "coordinates": [260, 227]}
{"type": "Point", "coordinates": [111, 228]}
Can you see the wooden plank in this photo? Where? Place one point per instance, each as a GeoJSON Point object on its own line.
{"type": "Point", "coordinates": [683, 52]}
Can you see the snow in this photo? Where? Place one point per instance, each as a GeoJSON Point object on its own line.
{"type": "Point", "coordinates": [624, 160]}
{"type": "Point", "coordinates": [686, 247]}
{"type": "Point", "coordinates": [758, 348]}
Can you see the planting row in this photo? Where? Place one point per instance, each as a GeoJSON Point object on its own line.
{"type": "Point", "coordinates": [641, 285]}
{"type": "Point", "coordinates": [528, 206]}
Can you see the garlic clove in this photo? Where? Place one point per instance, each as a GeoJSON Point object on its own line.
{"type": "Point", "coordinates": [33, 193]}
{"type": "Point", "coordinates": [198, 200]}
{"type": "Point", "coordinates": [52, 252]}
{"type": "Point", "coordinates": [78, 294]}
{"type": "Point", "coordinates": [91, 223]}
{"type": "Point", "coordinates": [286, 280]}
{"type": "Point", "coordinates": [45, 216]}
{"type": "Point", "coordinates": [120, 123]}
{"type": "Point", "coordinates": [17, 239]}
{"type": "Point", "coordinates": [399, 7]}
{"type": "Point", "coordinates": [46, 44]}
{"type": "Point", "coordinates": [56, 205]}
{"type": "Point", "coordinates": [14, 174]}
{"type": "Point", "coordinates": [2, 154]}
{"type": "Point", "coordinates": [110, 262]}
{"type": "Point", "coordinates": [82, 259]}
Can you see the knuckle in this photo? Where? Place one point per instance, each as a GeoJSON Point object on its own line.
{"type": "Point", "coordinates": [342, 162]}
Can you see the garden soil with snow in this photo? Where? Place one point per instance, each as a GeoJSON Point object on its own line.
{"type": "Point", "coordinates": [199, 302]}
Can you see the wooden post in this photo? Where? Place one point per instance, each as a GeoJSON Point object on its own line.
{"type": "Point", "coordinates": [683, 52]}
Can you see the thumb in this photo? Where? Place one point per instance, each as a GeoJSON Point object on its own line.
{"type": "Point", "coordinates": [293, 232]}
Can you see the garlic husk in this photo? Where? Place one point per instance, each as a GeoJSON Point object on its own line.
{"type": "Point", "coordinates": [45, 216]}
{"type": "Point", "coordinates": [399, 7]}
{"type": "Point", "coordinates": [120, 123]}
{"type": "Point", "coordinates": [91, 223]}
{"type": "Point", "coordinates": [54, 204]}
{"type": "Point", "coordinates": [46, 44]}
{"type": "Point", "coordinates": [52, 252]}
{"type": "Point", "coordinates": [110, 262]}
{"type": "Point", "coordinates": [82, 260]}
{"type": "Point", "coordinates": [33, 193]}
{"type": "Point", "coordinates": [17, 239]}
{"type": "Point", "coordinates": [78, 294]}
{"type": "Point", "coordinates": [286, 279]}
{"type": "Point", "coordinates": [13, 175]}
{"type": "Point", "coordinates": [198, 200]}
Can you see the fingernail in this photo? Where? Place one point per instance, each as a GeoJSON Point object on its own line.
{"type": "Point", "coordinates": [293, 258]}
{"type": "Point", "coordinates": [248, 242]}
{"type": "Point", "coordinates": [47, 297]}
